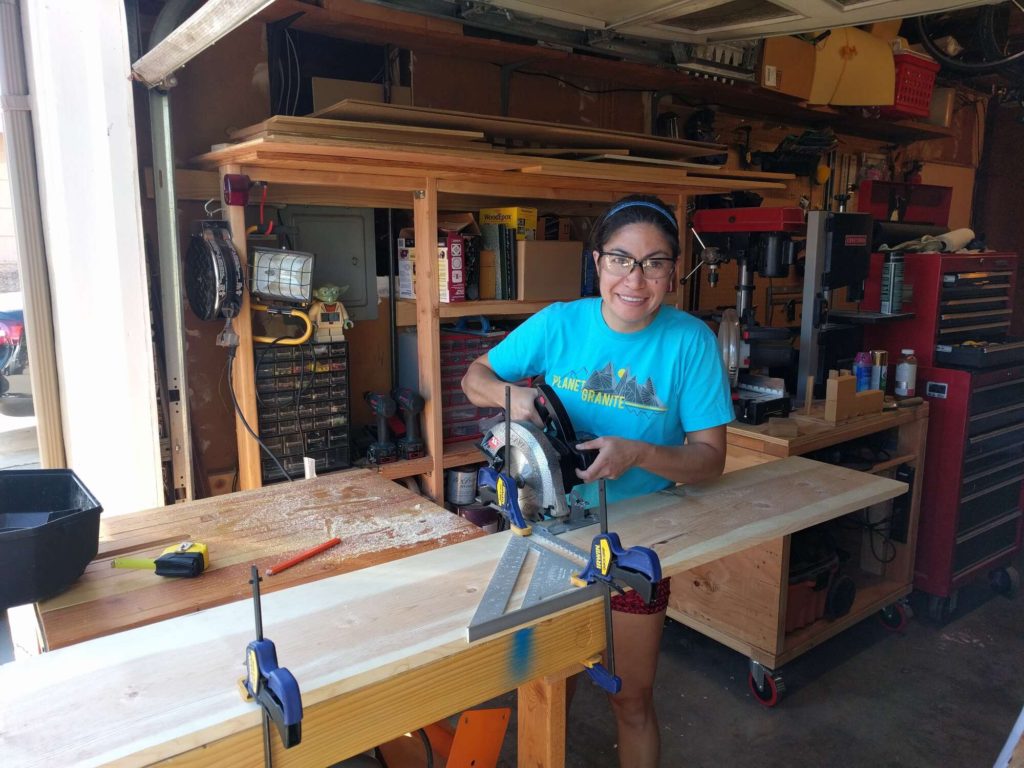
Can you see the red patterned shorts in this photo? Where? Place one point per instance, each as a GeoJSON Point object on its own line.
{"type": "Point", "coordinates": [631, 602]}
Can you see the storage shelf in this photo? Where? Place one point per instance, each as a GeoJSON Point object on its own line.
{"type": "Point", "coordinates": [454, 456]}
{"type": "Point", "coordinates": [882, 466]}
{"type": "Point", "coordinates": [405, 309]}
{"type": "Point", "coordinates": [873, 594]}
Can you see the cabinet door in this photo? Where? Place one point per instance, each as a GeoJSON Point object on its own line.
{"type": "Point", "coordinates": [342, 242]}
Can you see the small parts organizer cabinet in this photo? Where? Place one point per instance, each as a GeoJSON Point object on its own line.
{"type": "Point", "coordinates": [302, 398]}
{"type": "Point", "coordinates": [741, 600]}
{"type": "Point", "coordinates": [975, 470]}
{"type": "Point", "coordinates": [462, 420]}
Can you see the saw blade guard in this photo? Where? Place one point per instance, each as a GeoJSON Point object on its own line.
{"type": "Point", "coordinates": [530, 458]}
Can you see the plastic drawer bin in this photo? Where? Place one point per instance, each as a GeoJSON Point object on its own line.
{"type": "Point", "coordinates": [49, 531]}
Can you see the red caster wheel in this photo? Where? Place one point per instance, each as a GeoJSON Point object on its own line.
{"type": "Point", "coordinates": [771, 689]}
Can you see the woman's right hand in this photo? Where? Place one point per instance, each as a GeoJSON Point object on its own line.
{"type": "Point", "coordinates": [522, 405]}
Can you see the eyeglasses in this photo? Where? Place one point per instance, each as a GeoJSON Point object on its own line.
{"type": "Point", "coordinates": [621, 265]}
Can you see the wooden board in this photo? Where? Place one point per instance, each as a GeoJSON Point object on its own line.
{"type": "Point", "coordinates": [375, 651]}
{"type": "Point", "coordinates": [693, 169]}
{"type": "Point", "coordinates": [405, 135]}
{"type": "Point", "coordinates": [377, 521]}
{"type": "Point", "coordinates": [518, 128]}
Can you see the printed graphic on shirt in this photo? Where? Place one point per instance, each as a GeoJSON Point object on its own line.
{"type": "Point", "coordinates": [612, 389]}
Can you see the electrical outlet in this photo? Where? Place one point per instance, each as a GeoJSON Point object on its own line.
{"type": "Point", "coordinates": [771, 76]}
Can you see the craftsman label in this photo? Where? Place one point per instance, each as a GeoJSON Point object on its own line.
{"type": "Point", "coordinates": [850, 240]}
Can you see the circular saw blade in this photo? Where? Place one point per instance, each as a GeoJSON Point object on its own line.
{"type": "Point", "coordinates": [531, 493]}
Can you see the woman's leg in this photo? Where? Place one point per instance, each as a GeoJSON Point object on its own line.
{"type": "Point", "coordinates": [637, 638]}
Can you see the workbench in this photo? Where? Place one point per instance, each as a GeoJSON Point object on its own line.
{"type": "Point", "coordinates": [381, 650]}
{"type": "Point", "coordinates": [741, 600]}
{"type": "Point", "coordinates": [376, 519]}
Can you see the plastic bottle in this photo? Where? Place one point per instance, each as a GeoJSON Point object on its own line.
{"type": "Point", "coordinates": [906, 374]}
{"type": "Point", "coordinates": [862, 370]}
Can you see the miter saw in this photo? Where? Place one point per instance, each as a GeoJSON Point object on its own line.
{"type": "Point", "coordinates": [531, 470]}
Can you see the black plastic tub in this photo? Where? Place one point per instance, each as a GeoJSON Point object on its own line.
{"type": "Point", "coordinates": [49, 531]}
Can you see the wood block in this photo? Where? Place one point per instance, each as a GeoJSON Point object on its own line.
{"type": "Point", "coordinates": [843, 402]}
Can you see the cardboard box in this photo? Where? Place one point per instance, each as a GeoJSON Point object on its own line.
{"type": "Point", "coordinates": [451, 266]}
{"type": "Point", "coordinates": [787, 66]}
{"type": "Point", "coordinates": [548, 270]}
{"type": "Point", "coordinates": [554, 228]}
{"type": "Point", "coordinates": [524, 220]}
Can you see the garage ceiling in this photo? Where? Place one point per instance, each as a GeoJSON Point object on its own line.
{"type": "Point", "coordinates": [690, 21]}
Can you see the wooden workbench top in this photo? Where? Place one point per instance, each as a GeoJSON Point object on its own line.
{"type": "Point", "coordinates": [376, 519]}
{"type": "Point", "coordinates": [814, 432]}
{"type": "Point", "coordinates": [378, 651]}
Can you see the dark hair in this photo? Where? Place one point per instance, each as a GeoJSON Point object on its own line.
{"type": "Point", "coordinates": [635, 209]}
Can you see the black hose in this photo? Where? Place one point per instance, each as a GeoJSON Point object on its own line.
{"type": "Point", "coordinates": [967, 67]}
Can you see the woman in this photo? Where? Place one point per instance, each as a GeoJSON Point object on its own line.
{"type": "Point", "coordinates": [649, 381]}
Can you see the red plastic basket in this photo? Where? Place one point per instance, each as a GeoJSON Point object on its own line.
{"type": "Point", "coordinates": [915, 79]}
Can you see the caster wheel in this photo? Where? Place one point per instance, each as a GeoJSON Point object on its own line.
{"type": "Point", "coordinates": [894, 617]}
{"type": "Point", "coordinates": [773, 689]}
{"type": "Point", "coordinates": [1005, 581]}
{"type": "Point", "coordinates": [940, 609]}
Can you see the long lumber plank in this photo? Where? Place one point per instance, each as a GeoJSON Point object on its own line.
{"type": "Point", "coordinates": [390, 638]}
{"type": "Point", "coordinates": [517, 128]}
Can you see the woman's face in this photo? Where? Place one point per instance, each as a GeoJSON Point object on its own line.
{"type": "Point", "coordinates": [629, 302]}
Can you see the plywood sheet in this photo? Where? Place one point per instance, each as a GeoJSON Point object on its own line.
{"type": "Point", "coordinates": [169, 688]}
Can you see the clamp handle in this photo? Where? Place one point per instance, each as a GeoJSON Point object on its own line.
{"type": "Point", "coordinates": [636, 567]}
{"type": "Point", "coordinates": [506, 493]}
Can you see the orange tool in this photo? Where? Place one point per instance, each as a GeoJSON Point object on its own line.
{"type": "Point", "coordinates": [274, 569]}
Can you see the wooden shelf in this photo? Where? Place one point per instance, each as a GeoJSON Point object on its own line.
{"type": "Point", "coordinates": [882, 466]}
{"type": "Point", "coordinates": [405, 309]}
{"type": "Point", "coordinates": [455, 455]}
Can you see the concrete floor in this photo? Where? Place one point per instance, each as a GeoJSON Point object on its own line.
{"type": "Point", "coordinates": [932, 695]}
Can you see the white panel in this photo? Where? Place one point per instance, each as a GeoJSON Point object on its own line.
{"type": "Point", "coordinates": [79, 80]}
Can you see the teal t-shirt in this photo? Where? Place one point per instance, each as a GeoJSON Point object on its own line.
{"type": "Point", "coordinates": [654, 385]}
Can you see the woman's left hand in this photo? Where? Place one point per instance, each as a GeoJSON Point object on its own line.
{"type": "Point", "coordinates": [615, 456]}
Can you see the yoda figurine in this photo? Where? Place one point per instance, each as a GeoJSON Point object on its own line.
{"type": "Point", "coordinates": [330, 319]}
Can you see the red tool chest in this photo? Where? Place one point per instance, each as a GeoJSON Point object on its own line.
{"type": "Point", "coordinates": [971, 371]}
{"type": "Point", "coordinates": [971, 502]}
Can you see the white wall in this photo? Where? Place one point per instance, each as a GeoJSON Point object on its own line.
{"type": "Point", "coordinates": [84, 127]}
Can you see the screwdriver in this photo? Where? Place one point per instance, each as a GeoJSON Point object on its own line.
{"type": "Point", "coordinates": [188, 559]}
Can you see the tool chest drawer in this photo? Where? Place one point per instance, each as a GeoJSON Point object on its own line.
{"type": "Point", "coordinates": [303, 406]}
{"type": "Point", "coordinates": [974, 476]}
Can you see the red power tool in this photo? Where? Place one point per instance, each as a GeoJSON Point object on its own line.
{"type": "Point", "coordinates": [410, 445]}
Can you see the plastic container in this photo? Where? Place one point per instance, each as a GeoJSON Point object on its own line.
{"type": "Point", "coordinates": [905, 380]}
{"type": "Point", "coordinates": [862, 370]}
{"type": "Point", "coordinates": [915, 81]}
{"type": "Point", "coordinates": [49, 531]}
{"type": "Point", "coordinates": [892, 284]}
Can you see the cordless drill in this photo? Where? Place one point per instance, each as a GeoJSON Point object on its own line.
{"type": "Point", "coordinates": [410, 446]}
{"type": "Point", "coordinates": [382, 406]}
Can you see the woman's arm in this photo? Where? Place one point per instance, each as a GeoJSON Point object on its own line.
{"type": "Point", "coordinates": [702, 457]}
{"type": "Point", "coordinates": [485, 390]}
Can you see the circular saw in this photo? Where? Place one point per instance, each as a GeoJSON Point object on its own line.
{"type": "Point", "coordinates": [538, 466]}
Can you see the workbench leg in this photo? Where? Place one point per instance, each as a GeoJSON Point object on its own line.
{"type": "Point", "coordinates": [542, 723]}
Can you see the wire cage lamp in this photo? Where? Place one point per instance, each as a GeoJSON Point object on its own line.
{"type": "Point", "coordinates": [283, 280]}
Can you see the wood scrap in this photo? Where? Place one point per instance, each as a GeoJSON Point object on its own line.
{"type": "Point", "coordinates": [843, 402]}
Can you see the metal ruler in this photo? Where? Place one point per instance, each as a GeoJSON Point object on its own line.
{"type": "Point", "coordinates": [549, 590]}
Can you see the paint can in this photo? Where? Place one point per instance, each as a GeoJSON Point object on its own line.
{"type": "Point", "coordinates": [460, 488]}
